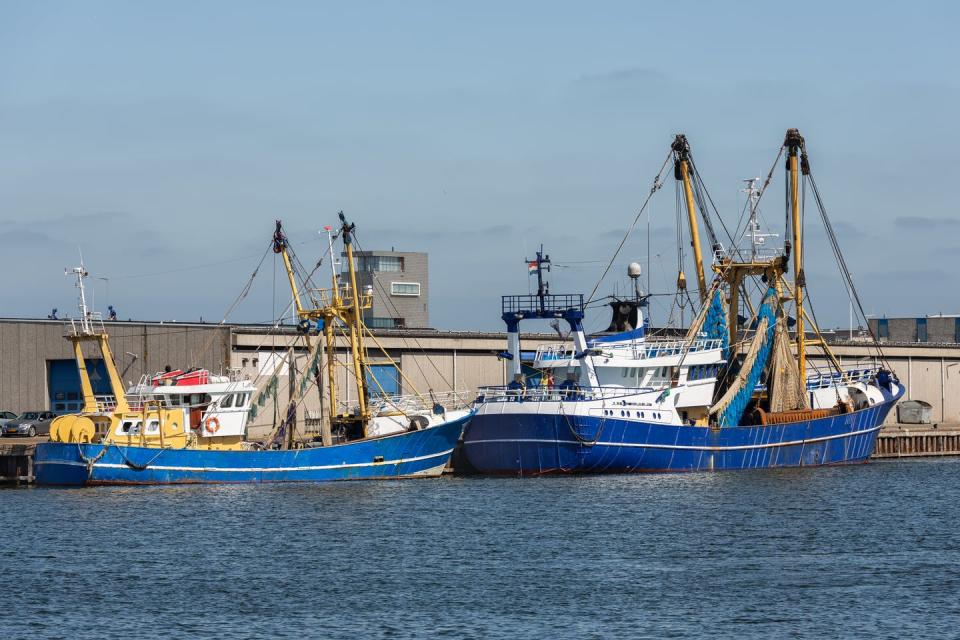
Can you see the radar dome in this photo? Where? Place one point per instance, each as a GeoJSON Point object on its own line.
{"type": "Point", "coordinates": [634, 270]}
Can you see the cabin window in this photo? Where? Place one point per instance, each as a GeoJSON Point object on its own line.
{"type": "Point", "coordinates": [226, 402]}
{"type": "Point", "coordinates": [153, 426]}
{"type": "Point", "coordinates": [242, 399]}
{"type": "Point", "coordinates": [173, 400]}
{"type": "Point", "coordinates": [130, 427]}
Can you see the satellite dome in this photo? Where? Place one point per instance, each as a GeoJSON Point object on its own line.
{"type": "Point", "coordinates": [634, 270]}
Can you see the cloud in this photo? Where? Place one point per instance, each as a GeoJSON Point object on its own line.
{"type": "Point", "coordinates": [913, 276]}
{"type": "Point", "coordinates": [926, 223]}
{"type": "Point", "coordinates": [620, 77]}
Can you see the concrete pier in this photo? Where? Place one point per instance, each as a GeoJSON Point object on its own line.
{"type": "Point", "coordinates": [917, 440]}
{"type": "Point", "coordinates": [16, 460]}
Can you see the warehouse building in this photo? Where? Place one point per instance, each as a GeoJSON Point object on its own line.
{"type": "Point", "coordinates": [38, 370]}
{"type": "Point", "coordinates": [400, 285]}
{"type": "Point", "coordinates": [939, 329]}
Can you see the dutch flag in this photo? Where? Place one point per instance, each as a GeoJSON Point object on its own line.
{"type": "Point", "coordinates": [531, 268]}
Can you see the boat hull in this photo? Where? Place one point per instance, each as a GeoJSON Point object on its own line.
{"type": "Point", "coordinates": [422, 453]}
{"type": "Point", "coordinates": [536, 443]}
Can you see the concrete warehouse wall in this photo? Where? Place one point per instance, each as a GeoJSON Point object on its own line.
{"type": "Point", "coordinates": [26, 346]}
{"type": "Point", "coordinates": [460, 360]}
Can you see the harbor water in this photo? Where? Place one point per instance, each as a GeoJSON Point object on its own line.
{"type": "Point", "coordinates": [867, 551]}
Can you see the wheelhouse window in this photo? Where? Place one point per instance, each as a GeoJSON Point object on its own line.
{"type": "Point", "coordinates": [405, 289]}
{"type": "Point", "coordinates": [226, 402]}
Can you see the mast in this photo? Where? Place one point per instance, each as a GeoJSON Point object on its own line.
{"type": "Point", "coordinates": [87, 330]}
{"type": "Point", "coordinates": [280, 245]}
{"type": "Point", "coordinates": [338, 305]}
{"type": "Point", "coordinates": [681, 153]}
{"type": "Point", "coordinates": [797, 153]}
{"type": "Point", "coordinates": [356, 328]}
{"type": "Point", "coordinates": [543, 288]}
{"type": "Point", "coordinates": [326, 435]}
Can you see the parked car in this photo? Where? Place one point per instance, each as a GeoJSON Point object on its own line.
{"type": "Point", "coordinates": [29, 423]}
{"type": "Point", "coordinates": [5, 417]}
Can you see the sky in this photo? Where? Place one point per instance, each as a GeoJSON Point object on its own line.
{"type": "Point", "coordinates": [162, 140]}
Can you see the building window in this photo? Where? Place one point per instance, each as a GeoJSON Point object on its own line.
{"type": "Point", "coordinates": [392, 264]}
{"type": "Point", "coordinates": [956, 330]}
{"type": "Point", "coordinates": [921, 329]}
{"type": "Point", "coordinates": [383, 323]}
{"type": "Point", "coordinates": [883, 328]}
{"type": "Point", "coordinates": [405, 289]}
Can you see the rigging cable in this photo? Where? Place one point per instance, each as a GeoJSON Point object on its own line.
{"type": "Point", "coordinates": [844, 270]}
{"type": "Point", "coordinates": [657, 183]}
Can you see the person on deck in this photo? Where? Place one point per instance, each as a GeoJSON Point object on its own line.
{"type": "Point", "coordinates": [569, 387]}
{"type": "Point", "coordinates": [517, 385]}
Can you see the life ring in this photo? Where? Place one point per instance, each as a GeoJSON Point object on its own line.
{"type": "Point", "coordinates": [212, 425]}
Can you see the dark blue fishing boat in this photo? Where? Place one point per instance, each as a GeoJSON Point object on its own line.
{"type": "Point", "coordinates": [730, 393]}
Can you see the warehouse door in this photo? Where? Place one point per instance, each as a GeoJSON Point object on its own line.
{"type": "Point", "coordinates": [63, 381]}
{"type": "Point", "coordinates": [383, 379]}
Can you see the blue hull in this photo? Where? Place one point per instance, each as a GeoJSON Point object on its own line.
{"type": "Point", "coordinates": [417, 453]}
{"type": "Point", "coordinates": [535, 444]}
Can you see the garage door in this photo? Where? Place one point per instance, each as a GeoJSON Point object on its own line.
{"type": "Point", "coordinates": [383, 379]}
{"type": "Point", "coordinates": [64, 384]}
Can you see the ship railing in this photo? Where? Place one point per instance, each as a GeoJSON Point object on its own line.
{"type": "Point", "coordinates": [448, 400]}
{"type": "Point", "coordinates": [849, 376]}
{"type": "Point", "coordinates": [325, 297]}
{"type": "Point", "coordinates": [90, 326]}
{"type": "Point", "coordinates": [556, 303]}
{"type": "Point", "coordinates": [556, 394]}
{"type": "Point", "coordinates": [646, 350]}
{"type": "Point", "coordinates": [107, 403]}
{"type": "Point", "coordinates": [554, 352]}
{"type": "Point", "coordinates": [632, 350]}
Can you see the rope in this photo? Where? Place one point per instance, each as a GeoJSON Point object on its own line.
{"type": "Point", "coordinates": [657, 183]}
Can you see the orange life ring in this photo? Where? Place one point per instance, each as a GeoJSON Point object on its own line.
{"type": "Point", "coordinates": [212, 425]}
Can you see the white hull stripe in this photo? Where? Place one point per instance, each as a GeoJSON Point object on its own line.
{"type": "Point", "coordinates": [161, 467]}
{"type": "Point", "coordinates": [741, 447]}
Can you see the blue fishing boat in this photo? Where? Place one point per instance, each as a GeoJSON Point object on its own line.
{"type": "Point", "coordinates": [731, 392]}
{"type": "Point", "coordinates": [422, 453]}
{"type": "Point", "coordinates": [191, 426]}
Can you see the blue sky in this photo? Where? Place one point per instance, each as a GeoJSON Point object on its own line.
{"type": "Point", "coordinates": [164, 140]}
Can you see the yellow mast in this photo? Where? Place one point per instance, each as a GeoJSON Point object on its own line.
{"type": "Point", "coordinates": [336, 308]}
{"type": "Point", "coordinates": [681, 150]}
{"type": "Point", "coordinates": [356, 329]}
{"type": "Point", "coordinates": [89, 399]}
{"type": "Point", "coordinates": [795, 145]}
{"type": "Point", "coordinates": [280, 246]}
